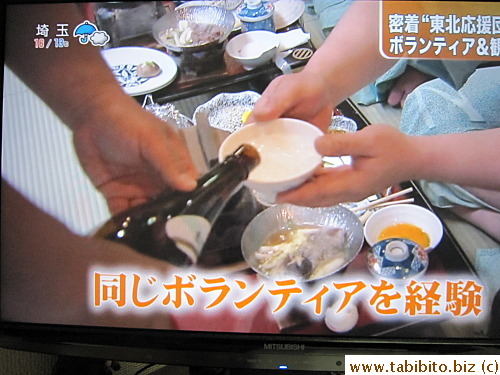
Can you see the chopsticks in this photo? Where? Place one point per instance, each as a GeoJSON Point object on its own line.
{"type": "Point", "coordinates": [392, 203]}
{"type": "Point", "coordinates": [384, 201]}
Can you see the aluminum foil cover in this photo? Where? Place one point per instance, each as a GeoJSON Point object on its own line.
{"type": "Point", "coordinates": [167, 112]}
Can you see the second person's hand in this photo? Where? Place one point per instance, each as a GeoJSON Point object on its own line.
{"type": "Point", "coordinates": [302, 95]}
{"type": "Point", "coordinates": [381, 157]}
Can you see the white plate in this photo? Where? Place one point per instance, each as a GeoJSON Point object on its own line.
{"type": "Point", "coordinates": [287, 12]}
{"type": "Point", "coordinates": [123, 62]}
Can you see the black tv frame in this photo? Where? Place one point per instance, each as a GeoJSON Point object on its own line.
{"type": "Point", "coordinates": [225, 350]}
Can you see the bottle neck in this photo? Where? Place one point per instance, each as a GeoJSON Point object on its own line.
{"type": "Point", "coordinates": [235, 167]}
{"type": "Point", "coordinates": [216, 187]}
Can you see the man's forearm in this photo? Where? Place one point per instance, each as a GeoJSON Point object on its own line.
{"type": "Point", "coordinates": [60, 76]}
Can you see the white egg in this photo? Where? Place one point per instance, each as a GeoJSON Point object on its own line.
{"type": "Point", "coordinates": [342, 321]}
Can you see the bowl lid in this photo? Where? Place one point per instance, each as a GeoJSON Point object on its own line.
{"type": "Point", "coordinates": [255, 13]}
{"type": "Point", "coordinates": [397, 259]}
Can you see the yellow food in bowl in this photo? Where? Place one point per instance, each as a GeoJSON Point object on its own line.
{"type": "Point", "coordinates": [337, 131]}
{"type": "Point", "coordinates": [408, 231]}
{"type": "Point", "coordinates": [245, 115]}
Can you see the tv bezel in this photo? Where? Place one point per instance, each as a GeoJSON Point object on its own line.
{"type": "Point", "coordinates": [223, 350]}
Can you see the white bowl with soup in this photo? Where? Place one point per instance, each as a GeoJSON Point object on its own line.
{"type": "Point", "coordinates": [408, 221]}
{"type": "Point", "coordinates": [287, 152]}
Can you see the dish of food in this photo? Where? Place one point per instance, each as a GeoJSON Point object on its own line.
{"type": "Point", "coordinates": [305, 251]}
{"type": "Point", "coordinates": [408, 231]}
{"type": "Point", "coordinates": [193, 28]}
{"type": "Point", "coordinates": [405, 221]}
{"type": "Point", "coordinates": [303, 243]}
{"type": "Point", "coordinates": [192, 34]}
{"type": "Point", "coordinates": [128, 64]}
{"type": "Point", "coordinates": [195, 37]}
{"type": "Point", "coordinates": [148, 69]}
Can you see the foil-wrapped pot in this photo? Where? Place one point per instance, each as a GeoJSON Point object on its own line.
{"type": "Point", "coordinates": [226, 111]}
{"type": "Point", "coordinates": [167, 112]}
{"type": "Point", "coordinates": [195, 37]}
{"type": "Point", "coordinates": [342, 124]}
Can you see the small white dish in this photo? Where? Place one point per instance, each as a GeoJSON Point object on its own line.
{"type": "Point", "coordinates": [253, 48]}
{"type": "Point", "coordinates": [123, 62]}
{"type": "Point", "coordinates": [341, 321]}
{"type": "Point", "coordinates": [419, 216]}
{"type": "Point", "coordinates": [287, 152]}
{"type": "Point", "coordinates": [287, 12]}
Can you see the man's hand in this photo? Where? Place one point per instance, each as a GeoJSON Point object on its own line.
{"type": "Point", "coordinates": [132, 156]}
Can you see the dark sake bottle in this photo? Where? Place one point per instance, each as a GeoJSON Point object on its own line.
{"type": "Point", "coordinates": [175, 225]}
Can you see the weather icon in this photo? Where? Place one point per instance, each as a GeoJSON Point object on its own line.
{"type": "Point", "coordinates": [88, 32]}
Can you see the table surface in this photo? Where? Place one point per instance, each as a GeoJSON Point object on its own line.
{"type": "Point", "coordinates": [228, 73]}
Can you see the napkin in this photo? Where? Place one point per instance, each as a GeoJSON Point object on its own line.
{"type": "Point", "coordinates": [292, 38]}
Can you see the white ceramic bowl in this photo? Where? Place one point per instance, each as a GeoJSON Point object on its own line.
{"type": "Point", "coordinates": [400, 214]}
{"type": "Point", "coordinates": [253, 48]}
{"type": "Point", "coordinates": [287, 152]}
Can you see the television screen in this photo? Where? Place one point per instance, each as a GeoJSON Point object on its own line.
{"type": "Point", "coordinates": [240, 281]}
